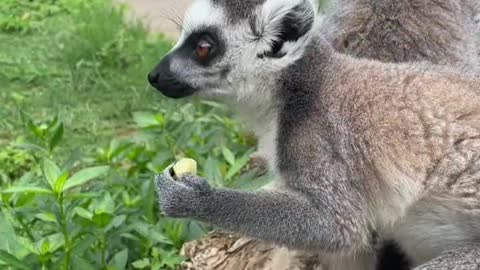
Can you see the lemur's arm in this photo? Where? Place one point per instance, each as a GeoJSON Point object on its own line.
{"type": "Point", "coordinates": [319, 219]}
{"type": "Point", "coordinates": [463, 258]}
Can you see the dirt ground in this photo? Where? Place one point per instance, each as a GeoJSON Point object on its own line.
{"type": "Point", "coordinates": [156, 13]}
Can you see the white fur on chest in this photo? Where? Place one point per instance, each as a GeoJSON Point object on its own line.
{"type": "Point", "coordinates": [267, 144]}
{"type": "Point", "coordinates": [267, 149]}
{"type": "Point", "coordinates": [263, 122]}
{"type": "Point", "coordinates": [260, 113]}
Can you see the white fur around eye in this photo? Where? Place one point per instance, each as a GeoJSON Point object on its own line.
{"type": "Point", "coordinates": [200, 14]}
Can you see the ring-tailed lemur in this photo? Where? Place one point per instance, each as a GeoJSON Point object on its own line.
{"type": "Point", "coordinates": [436, 31]}
{"type": "Point", "coordinates": [360, 146]}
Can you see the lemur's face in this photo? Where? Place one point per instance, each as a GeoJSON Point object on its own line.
{"type": "Point", "coordinates": [227, 45]}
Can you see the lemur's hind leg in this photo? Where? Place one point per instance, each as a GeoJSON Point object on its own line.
{"type": "Point", "coordinates": [463, 258]}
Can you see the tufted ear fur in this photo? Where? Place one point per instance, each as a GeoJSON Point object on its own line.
{"type": "Point", "coordinates": [283, 21]}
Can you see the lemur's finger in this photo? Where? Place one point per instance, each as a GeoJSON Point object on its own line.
{"type": "Point", "coordinates": [196, 182]}
{"type": "Point", "coordinates": [162, 179]}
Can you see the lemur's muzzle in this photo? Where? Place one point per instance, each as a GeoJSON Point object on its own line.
{"type": "Point", "coordinates": [167, 83]}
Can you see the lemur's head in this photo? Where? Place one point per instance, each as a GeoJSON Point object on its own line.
{"type": "Point", "coordinates": [228, 46]}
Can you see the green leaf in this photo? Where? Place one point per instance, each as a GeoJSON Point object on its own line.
{"type": "Point", "coordinates": [119, 261]}
{"type": "Point", "coordinates": [48, 217]}
{"type": "Point", "coordinates": [106, 205]}
{"type": "Point", "coordinates": [102, 219]}
{"type": "Point", "coordinates": [118, 221]}
{"type": "Point", "coordinates": [45, 246]}
{"type": "Point", "coordinates": [12, 261]}
{"type": "Point", "coordinates": [55, 241]}
{"type": "Point", "coordinates": [85, 176]}
{"type": "Point", "coordinates": [214, 104]}
{"type": "Point", "coordinates": [116, 149]}
{"type": "Point", "coordinates": [158, 237]}
{"type": "Point", "coordinates": [50, 243]}
{"type": "Point", "coordinates": [79, 263]}
{"type": "Point", "coordinates": [7, 232]}
{"type": "Point", "coordinates": [33, 147]}
{"type": "Point", "coordinates": [228, 155]}
{"type": "Point", "coordinates": [149, 201]}
{"type": "Point", "coordinates": [212, 170]}
{"type": "Point", "coordinates": [54, 123]}
{"type": "Point", "coordinates": [60, 182]}
{"type": "Point", "coordinates": [51, 172]}
{"type": "Point", "coordinates": [145, 119]}
{"type": "Point", "coordinates": [151, 233]}
{"type": "Point", "coordinates": [171, 259]}
{"type": "Point", "coordinates": [160, 120]}
{"type": "Point", "coordinates": [28, 245]}
{"type": "Point", "coordinates": [37, 190]}
{"type": "Point", "coordinates": [57, 137]}
{"type": "Point", "coordinates": [141, 264]}
{"type": "Point", "coordinates": [237, 167]}
{"type": "Point", "coordinates": [34, 130]}
{"type": "Point", "coordinates": [84, 213]}
{"type": "Point", "coordinates": [84, 195]}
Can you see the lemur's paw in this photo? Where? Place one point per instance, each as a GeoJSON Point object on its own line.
{"type": "Point", "coordinates": [183, 196]}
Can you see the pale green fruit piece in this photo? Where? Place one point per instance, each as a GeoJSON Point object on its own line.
{"type": "Point", "coordinates": [185, 166]}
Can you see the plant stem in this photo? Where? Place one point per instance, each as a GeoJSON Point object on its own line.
{"type": "Point", "coordinates": [104, 251]}
{"type": "Point", "coordinates": [63, 225]}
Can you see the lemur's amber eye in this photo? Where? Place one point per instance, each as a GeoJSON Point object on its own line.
{"type": "Point", "coordinates": [203, 49]}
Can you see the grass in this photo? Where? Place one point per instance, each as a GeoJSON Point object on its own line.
{"type": "Point", "coordinates": [88, 67]}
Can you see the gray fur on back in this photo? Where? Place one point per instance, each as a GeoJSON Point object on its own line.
{"type": "Point", "coordinates": [438, 31]}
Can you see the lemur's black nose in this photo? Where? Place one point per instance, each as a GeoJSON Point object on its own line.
{"type": "Point", "coordinates": [168, 83]}
{"type": "Point", "coordinates": [153, 77]}
{"type": "Point", "coordinates": [160, 73]}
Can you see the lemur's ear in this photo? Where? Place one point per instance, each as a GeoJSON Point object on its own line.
{"type": "Point", "coordinates": [284, 21]}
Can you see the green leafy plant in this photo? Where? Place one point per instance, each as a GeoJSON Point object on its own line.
{"type": "Point", "coordinates": [99, 210]}
{"type": "Point", "coordinates": [87, 213]}
{"type": "Point", "coordinates": [46, 136]}
{"type": "Point", "coordinates": [14, 162]}
{"type": "Point", "coordinates": [76, 190]}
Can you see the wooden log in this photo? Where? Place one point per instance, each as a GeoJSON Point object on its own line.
{"type": "Point", "coordinates": [224, 251]}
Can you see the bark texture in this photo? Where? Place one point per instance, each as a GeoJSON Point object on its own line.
{"type": "Point", "coordinates": [224, 251]}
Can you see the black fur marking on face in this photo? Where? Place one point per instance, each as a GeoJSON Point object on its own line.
{"type": "Point", "coordinates": [392, 257]}
{"type": "Point", "coordinates": [294, 25]}
{"type": "Point", "coordinates": [297, 23]}
{"type": "Point", "coordinates": [209, 34]}
{"type": "Point", "coordinates": [174, 86]}
{"type": "Point", "coordinates": [257, 34]}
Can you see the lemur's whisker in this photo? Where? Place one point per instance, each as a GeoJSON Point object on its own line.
{"type": "Point", "coordinates": [173, 16]}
